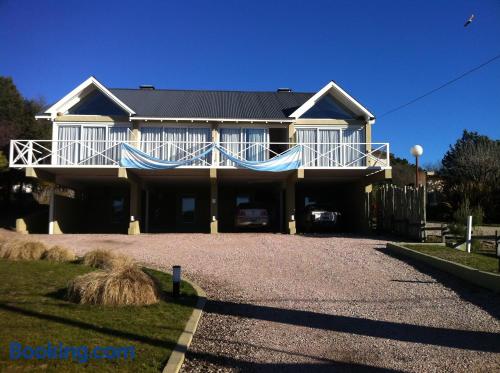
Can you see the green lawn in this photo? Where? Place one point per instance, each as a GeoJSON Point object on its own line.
{"type": "Point", "coordinates": [487, 263]}
{"type": "Point", "coordinates": [33, 312]}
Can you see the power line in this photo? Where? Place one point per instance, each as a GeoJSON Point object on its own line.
{"type": "Point", "coordinates": [441, 86]}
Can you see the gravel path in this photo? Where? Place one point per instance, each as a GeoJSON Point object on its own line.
{"type": "Point", "coordinates": [296, 303]}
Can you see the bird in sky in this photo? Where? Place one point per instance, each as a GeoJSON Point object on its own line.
{"type": "Point", "coordinates": [469, 21]}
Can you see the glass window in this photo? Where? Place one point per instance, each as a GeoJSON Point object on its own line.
{"type": "Point", "coordinates": [188, 205]}
{"type": "Point", "coordinates": [96, 103]}
{"type": "Point", "coordinates": [242, 198]}
{"type": "Point", "coordinates": [328, 107]}
{"type": "Point", "coordinates": [118, 213]}
{"type": "Point", "coordinates": [309, 201]}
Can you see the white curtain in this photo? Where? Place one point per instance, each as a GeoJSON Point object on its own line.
{"type": "Point", "coordinates": [92, 145]}
{"type": "Point", "coordinates": [67, 146]}
{"type": "Point", "coordinates": [116, 136]}
{"type": "Point", "coordinates": [309, 138]}
{"type": "Point", "coordinates": [354, 151]}
{"type": "Point", "coordinates": [257, 144]}
{"type": "Point", "coordinates": [197, 140]}
{"type": "Point", "coordinates": [175, 144]}
{"type": "Point", "coordinates": [230, 139]}
{"type": "Point", "coordinates": [329, 148]}
{"type": "Point", "coordinates": [151, 141]}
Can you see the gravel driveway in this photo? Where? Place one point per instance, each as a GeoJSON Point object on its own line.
{"type": "Point", "coordinates": [296, 303]}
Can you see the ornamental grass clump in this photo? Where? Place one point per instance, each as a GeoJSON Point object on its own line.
{"type": "Point", "coordinates": [122, 286]}
{"type": "Point", "coordinates": [59, 254]}
{"type": "Point", "coordinates": [106, 259]}
{"type": "Point", "coordinates": [22, 250]}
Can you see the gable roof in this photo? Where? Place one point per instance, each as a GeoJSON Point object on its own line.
{"type": "Point", "coordinates": [213, 104]}
{"type": "Point", "coordinates": [79, 92]}
{"type": "Point", "coordinates": [341, 96]}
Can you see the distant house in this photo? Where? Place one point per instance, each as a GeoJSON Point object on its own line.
{"type": "Point", "coordinates": [199, 155]}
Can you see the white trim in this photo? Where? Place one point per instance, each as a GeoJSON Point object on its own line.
{"type": "Point", "coordinates": [74, 97]}
{"type": "Point", "coordinates": [335, 90]}
{"type": "Point", "coordinates": [222, 120]}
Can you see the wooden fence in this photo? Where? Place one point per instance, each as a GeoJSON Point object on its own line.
{"type": "Point", "coordinates": [397, 210]}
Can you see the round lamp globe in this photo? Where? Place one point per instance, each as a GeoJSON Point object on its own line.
{"type": "Point", "coordinates": [416, 150]}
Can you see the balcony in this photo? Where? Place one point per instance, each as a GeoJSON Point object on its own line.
{"type": "Point", "coordinates": [106, 154]}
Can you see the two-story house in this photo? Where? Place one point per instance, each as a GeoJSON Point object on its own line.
{"type": "Point", "coordinates": [156, 160]}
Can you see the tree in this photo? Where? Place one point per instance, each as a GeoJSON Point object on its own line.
{"type": "Point", "coordinates": [17, 116]}
{"type": "Point", "coordinates": [471, 171]}
{"type": "Point", "coordinates": [17, 120]}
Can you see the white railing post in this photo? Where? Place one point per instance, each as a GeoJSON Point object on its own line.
{"type": "Point", "coordinates": [11, 152]}
{"type": "Point", "coordinates": [388, 156]}
{"type": "Point", "coordinates": [30, 152]}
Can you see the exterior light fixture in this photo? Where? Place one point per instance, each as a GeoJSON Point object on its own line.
{"type": "Point", "coordinates": [416, 151]}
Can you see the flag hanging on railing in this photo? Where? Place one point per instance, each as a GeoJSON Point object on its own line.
{"type": "Point", "coordinates": [286, 161]}
{"type": "Point", "coordinates": [132, 157]}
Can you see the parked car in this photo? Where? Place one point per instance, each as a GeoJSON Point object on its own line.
{"type": "Point", "coordinates": [251, 215]}
{"type": "Point", "coordinates": [320, 216]}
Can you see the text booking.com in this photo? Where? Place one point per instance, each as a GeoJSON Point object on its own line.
{"type": "Point", "coordinates": [59, 351]}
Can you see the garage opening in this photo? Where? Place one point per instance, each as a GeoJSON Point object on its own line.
{"type": "Point", "coordinates": [327, 207]}
{"type": "Point", "coordinates": [253, 207]}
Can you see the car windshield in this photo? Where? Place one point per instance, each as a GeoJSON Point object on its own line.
{"type": "Point", "coordinates": [320, 208]}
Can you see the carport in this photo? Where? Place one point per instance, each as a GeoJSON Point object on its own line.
{"type": "Point", "coordinates": [244, 186]}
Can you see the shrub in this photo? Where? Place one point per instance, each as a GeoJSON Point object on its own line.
{"type": "Point", "coordinates": [59, 254]}
{"type": "Point", "coordinates": [106, 259]}
{"type": "Point", "coordinates": [22, 250]}
{"type": "Point", "coordinates": [465, 210]}
{"type": "Point", "coordinates": [118, 287]}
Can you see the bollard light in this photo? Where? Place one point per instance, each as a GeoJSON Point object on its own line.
{"type": "Point", "coordinates": [176, 280]}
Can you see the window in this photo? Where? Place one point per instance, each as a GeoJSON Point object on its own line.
{"type": "Point", "coordinates": [242, 198]}
{"type": "Point", "coordinates": [96, 103]}
{"type": "Point", "coordinates": [309, 201]}
{"type": "Point", "coordinates": [118, 213]}
{"type": "Point", "coordinates": [176, 144]}
{"type": "Point", "coordinates": [188, 206]}
{"type": "Point", "coordinates": [328, 108]}
{"type": "Point", "coordinates": [89, 144]}
{"type": "Point", "coordinates": [332, 147]}
{"type": "Point", "coordinates": [250, 144]}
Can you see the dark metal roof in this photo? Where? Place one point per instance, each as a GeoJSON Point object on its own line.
{"type": "Point", "coordinates": [211, 104]}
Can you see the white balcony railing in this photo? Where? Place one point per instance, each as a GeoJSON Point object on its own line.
{"type": "Point", "coordinates": [80, 153]}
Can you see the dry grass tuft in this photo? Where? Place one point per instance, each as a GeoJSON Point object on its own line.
{"type": "Point", "coordinates": [127, 285]}
{"type": "Point", "coordinates": [59, 254]}
{"type": "Point", "coordinates": [107, 259]}
{"type": "Point", "coordinates": [22, 250]}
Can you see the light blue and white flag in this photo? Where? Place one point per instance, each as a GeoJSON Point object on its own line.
{"type": "Point", "coordinates": [134, 158]}
{"type": "Point", "coordinates": [286, 161]}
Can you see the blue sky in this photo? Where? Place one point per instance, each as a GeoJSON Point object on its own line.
{"type": "Point", "coordinates": [383, 52]}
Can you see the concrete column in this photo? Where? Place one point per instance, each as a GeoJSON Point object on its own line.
{"type": "Point", "coordinates": [368, 140]}
{"type": "Point", "coordinates": [215, 139]}
{"type": "Point", "coordinates": [53, 223]}
{"type": "Point", "coordinates": [214, 224]}
{"type": "Point", "coordinates": [135, 209]}
{"type": "Point", "coordinates": [21, 226]}
{"type": "Point", "coordinates": [135, 137]}
{"type": "Point", "coordinates": [291, 227]}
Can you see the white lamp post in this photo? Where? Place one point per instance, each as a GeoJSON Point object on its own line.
{"type": "Point", "coordinates": [416, 151]}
